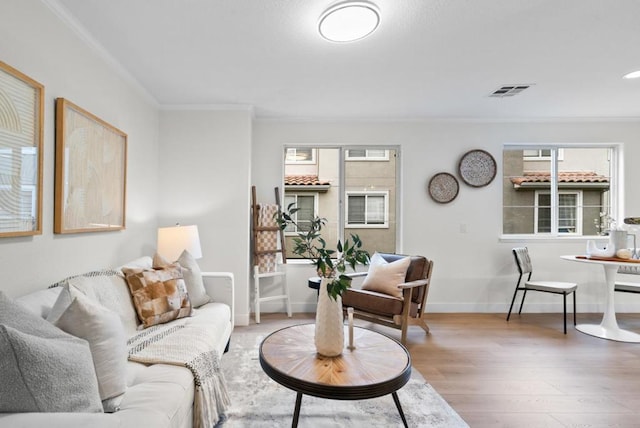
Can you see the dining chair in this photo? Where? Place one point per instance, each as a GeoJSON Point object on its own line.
{"type": "Point", "coordinates": [525, 267]}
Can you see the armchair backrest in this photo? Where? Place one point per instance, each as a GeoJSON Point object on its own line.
{"type": "Point", "coordinates": [419, 268]}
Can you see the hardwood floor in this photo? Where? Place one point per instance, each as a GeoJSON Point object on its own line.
{"type": "Point", "coordinates": [524, 373]}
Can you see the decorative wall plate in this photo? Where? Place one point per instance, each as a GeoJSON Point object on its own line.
{"type": "Point", "coordinates": [477, 168]}
{"type": "Point", "coordinates": [443, 187]}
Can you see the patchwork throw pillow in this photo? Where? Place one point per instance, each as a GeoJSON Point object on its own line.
{"type": "Point", "coordinates": [159, 295]}
{"type": "Point", "coordinates": [42, 368]}
{"type": "Point", "coordinates": [104, 332]}
{"type": "Point", "coordinates": [191, 274]}
{"type": "Point", "coordinates": [384, 277]}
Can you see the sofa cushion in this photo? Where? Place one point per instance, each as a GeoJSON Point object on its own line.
{"type": "Point", "coordinates": [158, 395]}
{"type": "Point", "coordinates": [40, 302]}
{"type": "Point", "coordinates": [104, 332]}
{"type": "Point", "coordinates": [372, 301]}
{"type": "Point", "coordinates": [384, 277]}
{"type": "Point", "coordinates": [159, 295]}
{"type": "Point", "coordinates": [42, 368]}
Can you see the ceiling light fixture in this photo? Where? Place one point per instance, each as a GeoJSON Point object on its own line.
{"type": "Point", "coordinates": [349, 21]}
{"type": "Point", "coordinates": [632, 75]}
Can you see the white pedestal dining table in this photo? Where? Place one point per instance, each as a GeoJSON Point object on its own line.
{"type": "Point", "coordinates": [608, 328]}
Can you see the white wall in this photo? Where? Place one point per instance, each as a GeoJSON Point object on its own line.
{"type": "Point", "coordinates": [205, 166]}
{"type": "Point", "coordinates": [38, 44]}
{"type": "Point", "coordinates": [473, 271]}
{"type": "Point", "coordinates": [209, 159]}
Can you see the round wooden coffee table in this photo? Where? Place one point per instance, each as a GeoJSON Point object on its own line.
{"type": "Point", "coordinates": [377, 366]}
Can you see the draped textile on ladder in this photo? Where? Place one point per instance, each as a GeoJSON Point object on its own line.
{"type": "Point", "coordinates": [267, 240]}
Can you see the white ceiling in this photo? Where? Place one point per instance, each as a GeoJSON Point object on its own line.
{"type": "Point", "coordinates": [428, 58]}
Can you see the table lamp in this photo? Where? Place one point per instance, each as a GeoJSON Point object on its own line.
{"type": "Point", "coordinates": [172, 241]}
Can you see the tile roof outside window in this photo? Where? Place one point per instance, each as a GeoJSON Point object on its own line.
{"type": "Point", "coordinates": [304, 180]}
{"type": "Point", "coordinates": [563, 177]}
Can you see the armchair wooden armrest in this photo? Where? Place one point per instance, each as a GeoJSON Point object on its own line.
{"type": "Point", "coordinates": [413, 284]}
{"type": "Point", "coordinates": [356, 274]}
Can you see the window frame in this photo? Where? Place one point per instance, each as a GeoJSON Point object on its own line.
{"type": "Point", "coordinates": [616, 187]}
{"type": "Point", "coordinates": [541, 157]}
{"type": "Point", "coordinates": [301, 162]}
{"type": "Point", "coordinates": [577, 208]}
{"type": "Point", "coordinates": [367, 157]}
{"type": "Point", "coordinates": [296, 195]}
{"type": "Point", "coordinates": [342, 232]}
{"type": "Point", "coordinates": [366, 194]}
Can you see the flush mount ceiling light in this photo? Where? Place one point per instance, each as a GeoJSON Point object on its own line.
{"type": "Point", "coordinates": [349, 21]}
{"type": "Point", "coordinates": [632, 75]}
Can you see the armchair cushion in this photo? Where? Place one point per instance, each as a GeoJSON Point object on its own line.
{"type": "Point", "coordinates": [384, 277]}
{"type": "Point", "coordinates": [375, 303]}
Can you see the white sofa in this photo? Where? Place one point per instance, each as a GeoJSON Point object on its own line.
{"type": "Point", "coordinates": [157, 395]}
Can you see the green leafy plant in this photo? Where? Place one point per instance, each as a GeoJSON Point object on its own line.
{"type": "Point", "coordinates": [329, 263]}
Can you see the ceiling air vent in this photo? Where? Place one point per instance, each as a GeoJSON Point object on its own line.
{"type": "Point", "coordinates": [508, 91]}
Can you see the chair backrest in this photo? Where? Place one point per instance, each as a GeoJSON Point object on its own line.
{"type": "Point", "coordinates": [521, 254]}
{"type": "Point", "coordinates": [419, 268]}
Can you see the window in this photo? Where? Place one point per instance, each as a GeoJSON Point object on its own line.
{"type": "Point", "coordinates": [541, 154]}
{"type": "Point", "coordinates": [359, 198]}
{"type": "Point", "coordinates": [18, 199]}
{"type": "Point", "coordinates": [300, 155]}
{"type": "Point", "coordinates": [367, 209]}
{"type": "Point", "coordinates": [367, 154]}
{"type": "Point", "coordinates": [569, 216]}
{"type": "Point", "coordinates": [306, 205]}
{"type": "Point", "coordinates": [559, 190]}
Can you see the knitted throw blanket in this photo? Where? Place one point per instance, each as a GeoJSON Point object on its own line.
{"type": "Point", "coordinates": [188, 346]}
{"type": "Point", "coordinates": [267, 240]}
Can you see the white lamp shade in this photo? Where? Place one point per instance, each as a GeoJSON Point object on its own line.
{"type": "Point", "coordinates": [172, 241]}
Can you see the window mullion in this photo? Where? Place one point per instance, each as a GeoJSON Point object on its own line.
{"type": "Point", "coordinates": [342, 221]}
{"type": "Point", "coordinates": [554, 192]}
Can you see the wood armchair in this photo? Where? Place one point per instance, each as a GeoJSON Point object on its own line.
{"type": "Point", "coordinates": [391, 311]}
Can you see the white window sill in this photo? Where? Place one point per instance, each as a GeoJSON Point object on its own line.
{"type": "Point", "coordinates": [550, 238]}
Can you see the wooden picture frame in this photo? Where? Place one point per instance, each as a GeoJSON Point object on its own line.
{"type": "Point", "coordinates": [91, 166]}
{"type": "Point", "coordinates": [21, 152]}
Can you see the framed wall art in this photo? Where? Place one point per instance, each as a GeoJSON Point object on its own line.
{"type": "Point", "coordinates": [21, 134]}
{"type": "Point", "coordinates": [91, 164]}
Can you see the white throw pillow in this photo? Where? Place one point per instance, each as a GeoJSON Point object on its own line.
{"type": "Point", "coordinates": [113, 293]}
{"type": "Point", "coordinates": [65, 297]}
{"type": "Point", "coordinates": [104, 331]}
{"type": "Point", "coordinates": [193, 279]}
{"type": "Point", "coordinates": [42, 368]}
{"type": "Point", "coordinates": [384, 277]}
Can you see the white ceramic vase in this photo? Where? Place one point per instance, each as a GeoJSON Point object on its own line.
{"type": "Point", "coordinates": [617, 241]}
{"type": "Point", "coordinates": [329, 335]}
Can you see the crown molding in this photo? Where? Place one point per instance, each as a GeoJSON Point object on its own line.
{"type": "Point", "coordinates": [207, 107]}
{"type": "Point", "coordinates": [83, 34]}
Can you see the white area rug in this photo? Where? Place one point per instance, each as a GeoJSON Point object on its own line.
{"type": "Point", "coordinates": [258, 401]}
